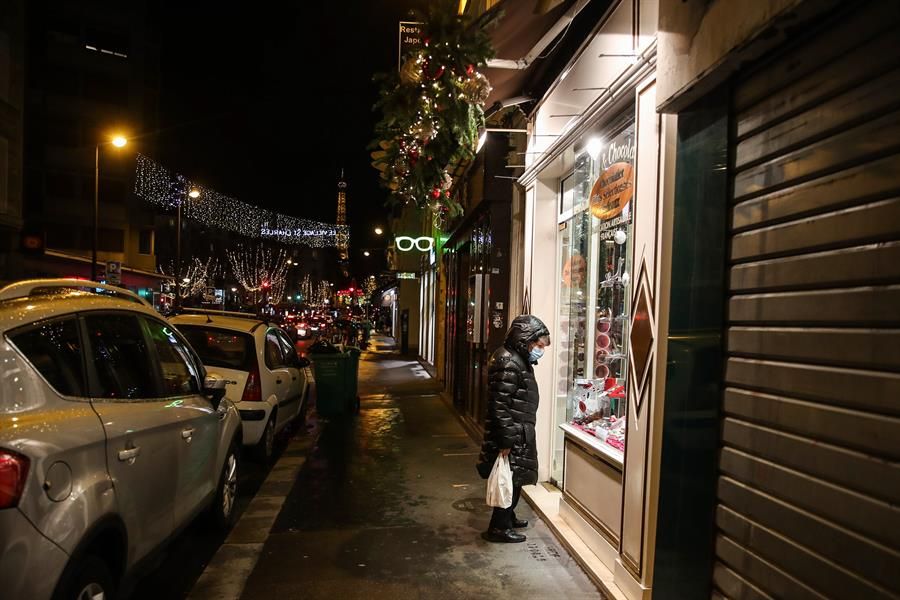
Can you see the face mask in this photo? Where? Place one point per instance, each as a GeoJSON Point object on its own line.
{"type": "Point", "coordinates": [536, 353]}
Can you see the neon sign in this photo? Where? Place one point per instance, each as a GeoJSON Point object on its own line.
{"type": "Point", "coordinates": [405, 243]}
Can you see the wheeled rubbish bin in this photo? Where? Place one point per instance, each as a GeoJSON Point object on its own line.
{"type": "Point", "coordinates": [336, 382]}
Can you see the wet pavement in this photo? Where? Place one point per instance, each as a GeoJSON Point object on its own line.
{"type": "Point", "coordinates": [388, 505]}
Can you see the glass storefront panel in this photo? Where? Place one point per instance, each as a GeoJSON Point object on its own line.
{"type": "Point", "coordinates": [594, 250]}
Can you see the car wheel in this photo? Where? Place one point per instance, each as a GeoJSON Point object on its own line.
{"type": "Point", "coordinates": [88, 579]}
{"type": "Point", "coordinates": [222, 511]}
{"type": "Point", "coordinates": [265, 448]}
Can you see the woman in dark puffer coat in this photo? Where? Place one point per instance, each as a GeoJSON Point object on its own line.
{"type": "Point", "coordinates": [512, 408]}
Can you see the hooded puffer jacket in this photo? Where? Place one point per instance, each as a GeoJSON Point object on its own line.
{"type": "Point", "coordinates": [513, 403]}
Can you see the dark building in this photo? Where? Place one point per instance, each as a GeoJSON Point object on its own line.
{"type": "Point", "coordinates": [93, 71]}
{"type": "Point", "coordinates": [12, 100]}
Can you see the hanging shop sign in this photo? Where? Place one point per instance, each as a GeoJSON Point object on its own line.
{"type": "Point", "coordinates": [612, 192]}
{"type": "Point", "coordinates": [614, 189]}
{"type": "Point", "coordinates": [406, 275]}
{"type": "Point", "coordinates": [410, 38]}
{"type": "Point", "coordinates": [405, 243]}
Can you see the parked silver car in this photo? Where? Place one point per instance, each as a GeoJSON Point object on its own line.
{"type": "Point", "coordinates": [112, 438]}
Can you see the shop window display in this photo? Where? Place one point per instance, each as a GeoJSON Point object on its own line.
{"type": "Point", "coordinates": [595, 252]}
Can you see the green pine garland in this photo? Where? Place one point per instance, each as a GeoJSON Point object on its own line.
{"type": "Point", "coordinates": [432, 113]}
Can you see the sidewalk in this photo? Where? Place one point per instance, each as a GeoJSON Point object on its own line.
{"type": "Point", "coordinates": [389, 505]}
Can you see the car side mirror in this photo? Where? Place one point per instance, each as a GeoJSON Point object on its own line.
{"type": "Point", "coordinates": [214, 388]}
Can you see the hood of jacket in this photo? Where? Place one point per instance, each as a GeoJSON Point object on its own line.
{"type": "Point", "coordinates": [524, 330]}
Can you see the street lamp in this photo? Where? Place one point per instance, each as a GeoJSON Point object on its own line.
{"type": "Point", "coordinates": [192, 193]}
{"type": "Point", "coordinates": [379, 231]}
{"type": "Point", "coordinates": [366, 253]}
{"type": "Point", "coordinates": [118, 141]}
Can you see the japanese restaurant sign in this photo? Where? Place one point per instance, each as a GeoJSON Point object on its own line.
{"type": "Point", "coordinates": [410, 38]}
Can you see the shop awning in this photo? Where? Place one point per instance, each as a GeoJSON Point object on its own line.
{"type": "Point", "coordinates": [520, 24]}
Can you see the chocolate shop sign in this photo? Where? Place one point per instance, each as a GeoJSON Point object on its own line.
{"type": "Point", "coordinates": [614, 189]}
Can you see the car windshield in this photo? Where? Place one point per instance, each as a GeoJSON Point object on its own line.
{"type": "Point", "coordinates": [220, 347]}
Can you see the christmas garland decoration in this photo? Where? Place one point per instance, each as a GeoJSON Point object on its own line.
{"type": "Point", "coordinates": [157, 185]}
{"type": "Point", "coordinates": [432, 113]}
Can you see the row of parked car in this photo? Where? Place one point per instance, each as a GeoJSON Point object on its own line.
{"type": "Point", "coordinates": [118, 428]}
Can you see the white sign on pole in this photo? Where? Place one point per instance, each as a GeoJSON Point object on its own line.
{"type": "Point", "coordinates": [114, 272]}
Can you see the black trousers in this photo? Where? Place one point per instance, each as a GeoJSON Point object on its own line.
{"type": "Point", "coordinates": [503, 517]}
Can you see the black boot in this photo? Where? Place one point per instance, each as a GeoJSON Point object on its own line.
{"type": "Point", "coordinates": [503, 536]}
{"type": "Point", "coordinates": [519, 523]}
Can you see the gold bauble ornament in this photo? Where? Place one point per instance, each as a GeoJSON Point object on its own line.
{"type": "Point", "coordinates": [477, 88]}
{"type": "Point", "coordinates": [411, 71]}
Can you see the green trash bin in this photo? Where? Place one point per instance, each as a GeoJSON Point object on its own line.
{"type": "Point", "coordinates": [336, 382]}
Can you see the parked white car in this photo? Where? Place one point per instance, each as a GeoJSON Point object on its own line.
{"type": "Point", "coordinates": [112, 438]}
{"type": "Point", "coordinates": [267, 379]}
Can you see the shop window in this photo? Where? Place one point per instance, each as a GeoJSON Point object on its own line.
{"type": "Point", "coordinates": [595, 253]}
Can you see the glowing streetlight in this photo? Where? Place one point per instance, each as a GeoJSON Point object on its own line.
{"type": "Point", "coordinates": [118, 141]}
{"type": "Point", "coordinates": [193, 193]}
{"type": "Point", "coordinates": [379, 231]}
{"type": "Point", "coordinates": [365, 253]}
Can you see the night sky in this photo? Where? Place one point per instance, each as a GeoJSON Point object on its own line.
{"type": "Point", "coordinates": [267, 104]}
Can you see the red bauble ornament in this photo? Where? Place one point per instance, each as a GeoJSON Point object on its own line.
{"type": "Point", "coordinates": [470, 69]}
{"type": "Point", "coordinates": [438, 73]}
{"type": "Point", "coordinates": [436, 193]}
{"type": "Point", "coordinates": [447, 194]}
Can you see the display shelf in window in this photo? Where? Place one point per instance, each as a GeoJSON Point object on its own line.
{"type": "Point", "coordinates": [596, 249]}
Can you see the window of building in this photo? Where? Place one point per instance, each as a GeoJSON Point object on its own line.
{"type": "Point", "coordinates": [120, 358]}
{"type": "Point", "coordinates": [108, 43]}
{"type": "Point", "coordinates": [145, 241]}
{"type": "Point", "coordinates": [105, 88]}
{"type": "Point", "coordinates": [63, 237]}
{"type": "Point", "coordinates": [60, 185]}
{"type": "Point", "coordinates": [54, 349]}
{"type": "Point", "coordinates": [112, 191]}
{"type": "Point", "coordinates": [60, 80]}
{"type": "Point", "coordinates": [594, 249]}
{"type": "Point", "coordinates": [111, 240]}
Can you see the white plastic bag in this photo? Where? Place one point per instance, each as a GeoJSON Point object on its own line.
{"type": "Point", "coordinates": [500, 484]}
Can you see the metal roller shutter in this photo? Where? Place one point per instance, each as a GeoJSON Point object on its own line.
{"type": "Point", "coordinates": [809, 479]}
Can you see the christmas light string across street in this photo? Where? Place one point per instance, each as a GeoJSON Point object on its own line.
{"type": "Point", "coordinates": [155, 184]}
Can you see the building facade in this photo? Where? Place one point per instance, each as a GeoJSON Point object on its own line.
{"type": "Point", "coordinates": [93, 71]}
{"type": "Point", "coordinates": [710, 218]}
{"type": "Point", "coordinates": [12, 105]}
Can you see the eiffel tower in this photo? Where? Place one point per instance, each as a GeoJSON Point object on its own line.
{"type": "Point", "coordinates": [343, 239]}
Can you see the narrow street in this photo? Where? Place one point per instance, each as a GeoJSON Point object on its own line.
{"type": "Point", "coordinates": [389, 505]}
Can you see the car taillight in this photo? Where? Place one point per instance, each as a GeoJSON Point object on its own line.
{"type": "Point", "coordinates": [13, 471]}
{"type": "Point", "coordinates": [253, 389]}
